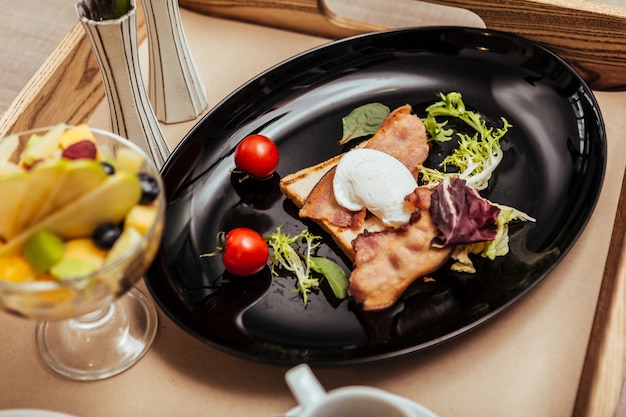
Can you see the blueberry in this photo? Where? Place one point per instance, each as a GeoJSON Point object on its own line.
{"type": "Point", "coordinates": [149, 188]}
{"type": "Point", "coordinates": [106, 235]}
{"type": "Point", "coordinates": [108, 168]}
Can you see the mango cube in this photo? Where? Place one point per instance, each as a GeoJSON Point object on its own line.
{"type": "Point", "coordinates": [75, 135]}
{"type": "Point", "coordinates": [142, 217]}
{"type": "Point", "coordinates": [15, 268]}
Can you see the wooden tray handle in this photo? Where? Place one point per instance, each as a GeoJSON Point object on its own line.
{"type": "Point", "coordinates": [589, 35]}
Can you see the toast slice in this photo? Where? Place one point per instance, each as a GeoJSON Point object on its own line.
{"type": "Point", "coordinates": [298, 186]}
{"type": "Point", "coordinates": [402, 135]}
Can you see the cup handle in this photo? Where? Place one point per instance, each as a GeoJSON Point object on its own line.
{"type": "Point", "coordinates": [304, 385]}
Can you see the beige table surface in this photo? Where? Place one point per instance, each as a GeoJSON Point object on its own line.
{"type": "Point", "coordinates": [526, 362]}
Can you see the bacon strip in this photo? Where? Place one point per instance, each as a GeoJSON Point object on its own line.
{"type": "Point", "coordinates": [402, 135]}
{"type": "Point", "coordinates": [387, 262]}
{"type": "Point", "coordinates": [322, 205]}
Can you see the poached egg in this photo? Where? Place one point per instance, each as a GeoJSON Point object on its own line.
{"type": "Point", "coordinates": [371, 179]}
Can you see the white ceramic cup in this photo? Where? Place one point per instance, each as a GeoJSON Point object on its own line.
{"type": "Point", "coordinates": [351, 401]}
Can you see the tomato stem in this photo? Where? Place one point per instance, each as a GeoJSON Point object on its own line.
{"type": "Point", "coordinates": [219, 248]}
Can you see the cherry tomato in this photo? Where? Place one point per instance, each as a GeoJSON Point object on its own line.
{"type": "Point", "coordinates": [244, 252]}
{"type": "Point", "coordinates": [257, 155]}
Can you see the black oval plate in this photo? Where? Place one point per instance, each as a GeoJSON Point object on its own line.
{"type": "Point", "coordinates": [553, 170]}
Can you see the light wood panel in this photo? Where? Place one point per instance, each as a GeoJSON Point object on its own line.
{"type": "Point", "coordinates": [589, 35]}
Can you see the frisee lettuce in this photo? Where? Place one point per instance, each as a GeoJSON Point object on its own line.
{"type": "Point", "coordinates": [285, 257]}
{"type": "Point", "coordinates": [436, 130]}
{"type": "Point", "coordinates": [477, 156]}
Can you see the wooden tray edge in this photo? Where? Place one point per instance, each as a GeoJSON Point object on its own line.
{"type": "Point", "coordinates": [604, 371]}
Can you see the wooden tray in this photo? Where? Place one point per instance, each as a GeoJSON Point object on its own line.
{"type": "Point", "coordinates": [591, 36]}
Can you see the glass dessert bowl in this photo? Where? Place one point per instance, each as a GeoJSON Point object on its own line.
{"type": "Point", "coordinates": [82, 224]}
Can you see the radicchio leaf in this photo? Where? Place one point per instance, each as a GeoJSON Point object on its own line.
{"type": "Point", "coordinates": [461, 214]}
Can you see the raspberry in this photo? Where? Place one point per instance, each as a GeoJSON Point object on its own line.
{"type": "Point", "coordinates": [84, 149]}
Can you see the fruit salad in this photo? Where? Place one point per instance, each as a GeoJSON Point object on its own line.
{"type": "Point", "coordinates": [75, 206]}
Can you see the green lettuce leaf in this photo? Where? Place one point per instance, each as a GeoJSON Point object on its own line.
{"type": "Point", "coordinates": [363, 121]}
{"type": "Point", "coordinates": [335, 276]}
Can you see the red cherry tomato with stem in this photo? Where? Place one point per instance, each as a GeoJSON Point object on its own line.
{"type": "Point", "coordinates": [257, 155]}
{"type": "Point", "coordinates": [244, 251]}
